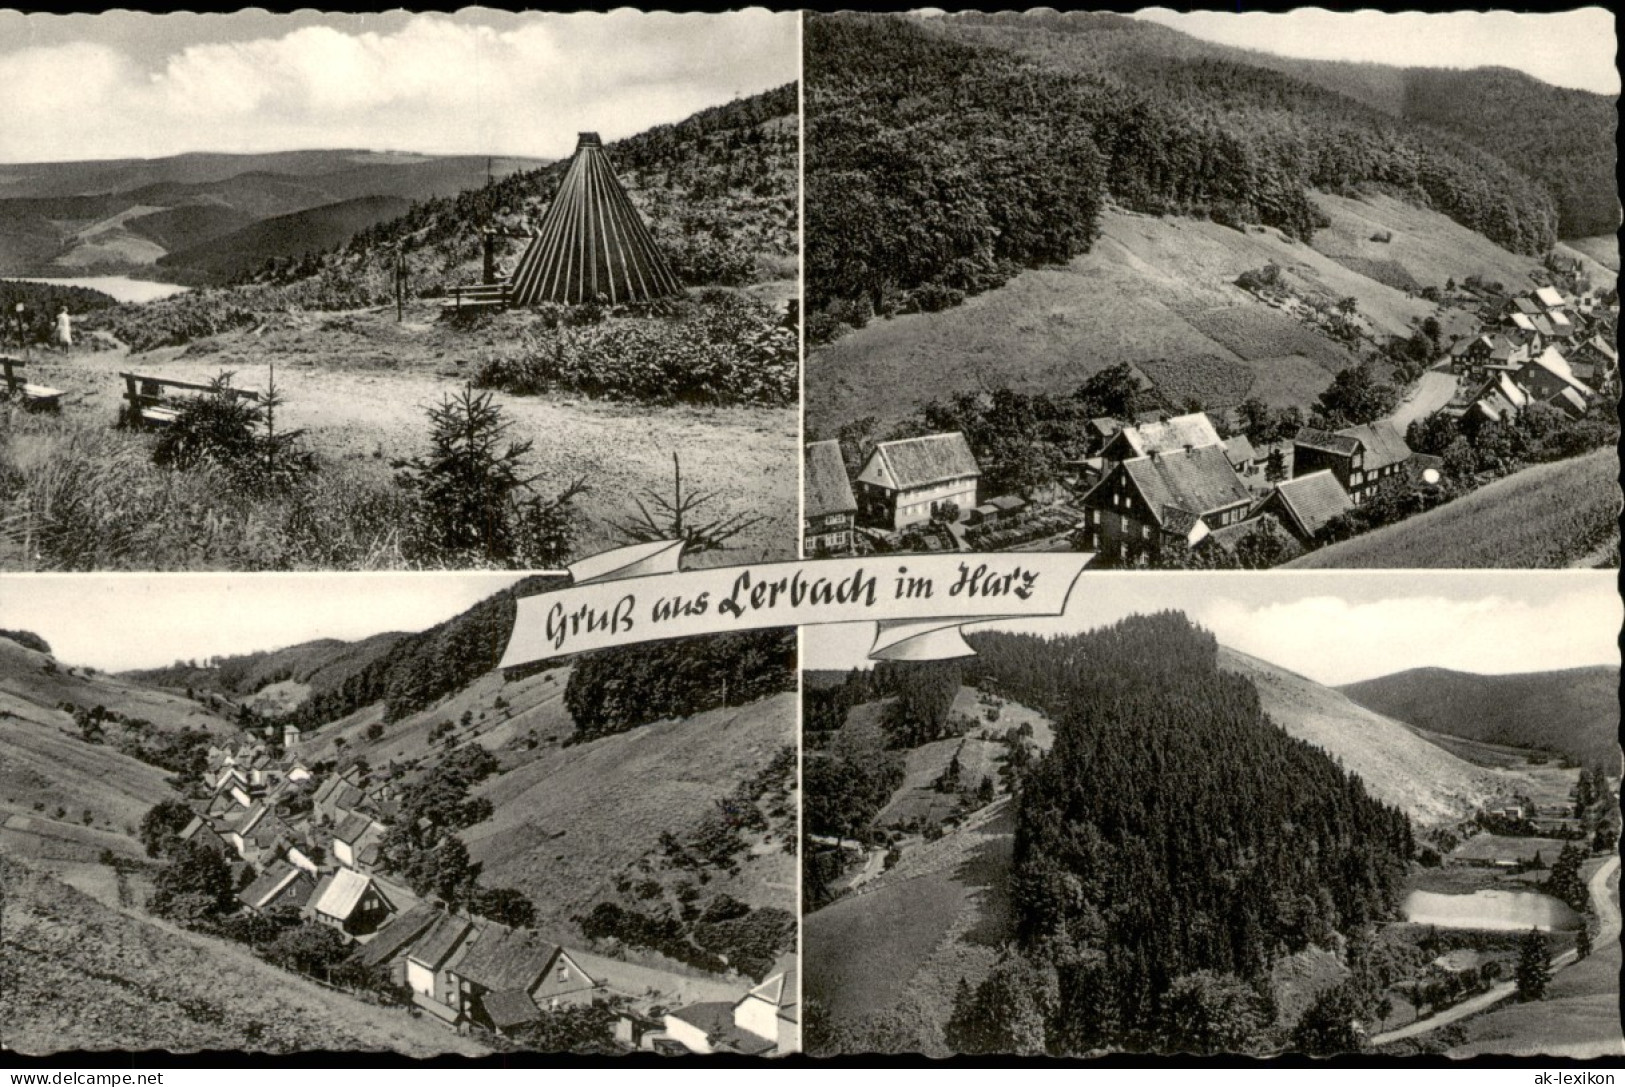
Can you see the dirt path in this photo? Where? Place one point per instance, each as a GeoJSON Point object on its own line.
{"type": "Point", "coordinates": [1609, 917]}
{"type": "Point", "coordinates": [1433, 391]}
{"type": "Point", "coordinates": [359, 386]}
{"type": "Point", "coordinates": [874, 863]}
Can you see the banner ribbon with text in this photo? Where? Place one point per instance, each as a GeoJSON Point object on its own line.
{"type": "Point", "coordinates": [640, 594]}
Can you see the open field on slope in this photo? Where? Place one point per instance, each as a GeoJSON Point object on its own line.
{"type": "Point", "coordinates": [1545, 516]}
{"type": "Point", "coordinates": [359, 385]}
{"type": "Point", "coordinates": [1428, 783]}
{"type": "Point", "coordinates": [1154, 290]}
{"type": "Point", "coordinates": [1603, 248]}
{"type": "Point", "coordinates": [898, 947]}
{"type": "Point", "coordinates": [46, 767]}
{"type": "Point", "coordinates": [29, 678]}
{"type": "Point", "coordinates": [81, 975]}
{"type": "Point", "coordinates": [569, 821]}
{"type": "Point", "coordinates": [1429, 247]}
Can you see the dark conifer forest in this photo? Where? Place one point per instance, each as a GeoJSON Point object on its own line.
{"type": "Point", "coordinates": [945, 155]}
{"type": "Point", "coordinates": [1172, 846]}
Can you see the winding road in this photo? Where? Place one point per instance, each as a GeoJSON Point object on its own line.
{"type": "Point", "coordinates": [1608, 915]}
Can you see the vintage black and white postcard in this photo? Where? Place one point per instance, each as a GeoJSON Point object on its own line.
{"type": "Point", "coordinates": [824, 536]}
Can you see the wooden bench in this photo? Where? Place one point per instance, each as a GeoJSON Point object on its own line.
{"type": "Point", "coordinates": [18, 387]}
{"type": "Point", "coordinates": [479, 296]}
{"type": "Point", "coordinates": [151, 404]}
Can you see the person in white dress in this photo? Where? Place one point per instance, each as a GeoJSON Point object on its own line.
{"type": "Point", "coordinates": [64, 329]}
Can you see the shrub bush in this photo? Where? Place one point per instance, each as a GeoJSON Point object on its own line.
{"type": "Point", "coordinates": [723, 349]}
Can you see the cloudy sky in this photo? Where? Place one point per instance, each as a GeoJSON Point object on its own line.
{"type": "Point", "coordinates": [1340, 627]}
{"type": "Point", "coordinates": [127, 84]}
{"type": "Point", "coordinates": [1569, 49]}
{"type": "Point", "coordinates": [120, 621]}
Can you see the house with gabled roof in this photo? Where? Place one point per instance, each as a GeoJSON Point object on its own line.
{"type": "Point", "coordinates": [829, 511]}
{"type": "Point", "coordinates": [1525, 304]}
{"type": "Point", "coordinates": [351, 837]}
{"type": "Point", "coordinates": [201, 830]}
{"type": "Point", "coordinates": [1192, 431]}
{"type": "Point", "coordinates": [904, 482]}
{"type": "Point", "coordinates": [1243, 457]}
{"type": "Point", "coordinates": [1361, 457]}
{"type": "Point", "coordinates": [431, 962]}
{"type": "Point", "coordinates": [1550, 379]}
{"type": "Point", "coordinates": [1595, 360]}
{"type": "Point", "coordinates": [507, 975]}
{"type": "Point", "coordinates": [1145, 502]}
{"type": "Point", "coordinates": [338, 796]}
{"type": "Point", "coordinates": [766, 1020]}
{"type": "Point", "coordinates": [1100, 430]}
{"type": "Point", "coordinates": [350, 902]}
{"type": "Point", "coordinates": [772, 1010]}
{"type": "Point", "coordinates": [1305, 505]}
{"type": "Point", "coordinates": [1549, 298]}
{"type": "Point", "coordinates": [1501, 399]}
{"type": "Point", "coordinates": [282, 886]}
{"type": "Point", "coordinates": [390, 947]}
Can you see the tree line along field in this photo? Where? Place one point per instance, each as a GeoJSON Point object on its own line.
{"type": "Point", "coordinates": [1156, 293]}
{"type": "Point", "coordinates": [1548, 515]}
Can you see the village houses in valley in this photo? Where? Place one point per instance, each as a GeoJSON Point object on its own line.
{"type": "Point", "coordinates": [466, 971]}
{"type": "Point", "coordinates": [1159, 488]}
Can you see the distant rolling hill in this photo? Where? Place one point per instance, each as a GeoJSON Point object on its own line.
{"type": "Point", "coordinates": [129, 214]}
{"type": "Point", "coordinates": [1573, 712]}
{"type": "Point", "coordinates": [185, 226]}
{"type": "Point", "coordinates": [321, 665]}
{"type": "Point", "coordinates": [1426, 782]}
{"type": "Point", "coordinates": [34, 685]}
{"type": "Point", "coordinates": [291, 235]}
{"type": "Point", "coordinates": [64, 798]}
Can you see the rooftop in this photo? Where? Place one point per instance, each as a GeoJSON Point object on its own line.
{"type": "Point", "coordinates": [827, 488]}
{"type": "Point", "coordinates": [920, 462]}
{"type": "Point", "coordinates": [342, 893]}
{"type": "Point", "coordinates": [1172, 435]}
{"type": "Point", "coordinates": [1198, 481]}
{"type": "Point", "coordinates": [505, 958]}
{"type": "Point", "coordinates": [1314, 499]}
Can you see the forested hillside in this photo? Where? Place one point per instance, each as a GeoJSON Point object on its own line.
{"type": "Point", "coordinates": [405, 672]}
{"type": "Point", "coordinates": [935, 168]}
{"type": "Point", "coordinates": [1561, 138]}
{"type": "Point", "coordinates": [945, 155]}
{"type": "Point", "coordinates": [1573, 712]}
{"type": "Point", "coordinates": [1171, 847]}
